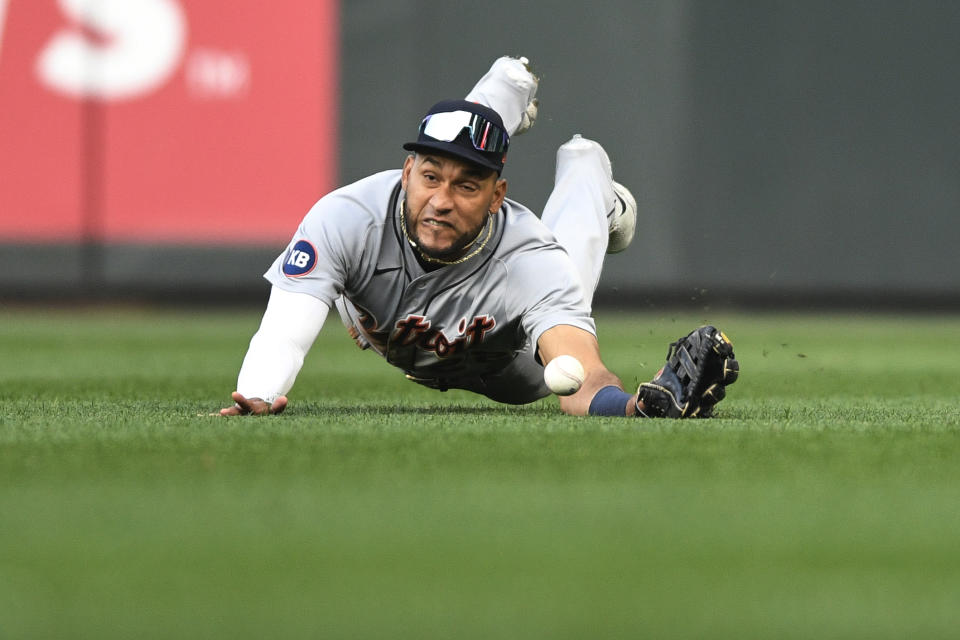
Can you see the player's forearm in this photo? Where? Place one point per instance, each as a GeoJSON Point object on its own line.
{"type": "Point", "coordinates": [290, 324]}
{"type": "Point", "coordinates": [582, 345]}
{"type": "Point", "coordinates": [269, 368]}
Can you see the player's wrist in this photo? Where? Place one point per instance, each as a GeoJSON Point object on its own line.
{"type": "Point", "coordinates": [266, 398]}
{"type": "Point", "coordinates": [611, 401]}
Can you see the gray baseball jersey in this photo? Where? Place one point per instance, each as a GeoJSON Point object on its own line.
{"type": "Point", "coordinates": [470, 326]}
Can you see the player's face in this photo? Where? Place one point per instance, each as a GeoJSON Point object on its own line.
{"type": "Point", "coordinates": [448, 202]}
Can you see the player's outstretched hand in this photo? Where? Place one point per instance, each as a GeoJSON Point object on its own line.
{"type": "Point", "coordinates": [253, 406]}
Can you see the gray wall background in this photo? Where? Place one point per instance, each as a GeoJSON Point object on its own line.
{"type": "Point", "coordinates": [779, 150]}
{"type": "Point", "coordinates": [785, 152]}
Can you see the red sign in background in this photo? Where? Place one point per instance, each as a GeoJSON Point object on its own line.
{"type": "Point", "coordinates": [165, 121]}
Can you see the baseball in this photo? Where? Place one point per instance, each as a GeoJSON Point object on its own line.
{"type": "Point", "coordinates": [564, 375]}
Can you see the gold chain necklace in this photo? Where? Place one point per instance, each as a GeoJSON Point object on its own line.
{"type": "Point", "coordinates": [403, 226]}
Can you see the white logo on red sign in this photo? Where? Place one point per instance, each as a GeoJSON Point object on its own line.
{"type": "Point", "coordinates": [142, 43]}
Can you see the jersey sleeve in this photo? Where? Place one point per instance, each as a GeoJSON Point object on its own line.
{"type": "Point", "coordinates": [327, 248]}
{"type": "Point", "coordinates": [544, 287]}
{"type": "Point", "coordinates": [290, 324]}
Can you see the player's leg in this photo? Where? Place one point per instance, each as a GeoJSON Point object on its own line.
{"type": "Point", "coordinates": [509, 88]}
{"type": "Point", "coordinates": [589, 213]}
{"type": "Point", "coordinates": [520, 382]}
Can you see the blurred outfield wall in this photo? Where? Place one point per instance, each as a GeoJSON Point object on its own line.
{"type": "Point", "coordinates": [781, 152]}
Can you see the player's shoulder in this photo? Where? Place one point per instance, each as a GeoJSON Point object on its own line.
{"type": "Point", "coordinates": [363, 202]}
{"type": "Point", "coordinates": [374, 183]}
{"type": "Point", "coordinates": [537, 270]}
{"type": "Point", "coordinates": [528, 252]}
{"type": "Point", "coordinates": [524, 232]}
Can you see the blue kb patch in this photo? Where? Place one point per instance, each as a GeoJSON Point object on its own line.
{"type": "Point", "coordinates": [300, 260]}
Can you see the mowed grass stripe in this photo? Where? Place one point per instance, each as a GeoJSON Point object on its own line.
{"type": "Point", "coordinates": [821, 503]}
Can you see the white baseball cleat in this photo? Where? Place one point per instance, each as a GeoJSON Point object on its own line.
{"type": "Point", "coordinates": [509, 88]}
{"type": "Point", "coordinates": [622, 219]}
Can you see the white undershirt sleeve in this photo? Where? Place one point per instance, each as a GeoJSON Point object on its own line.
{"type": "Point", "coordinates": [290, 324]}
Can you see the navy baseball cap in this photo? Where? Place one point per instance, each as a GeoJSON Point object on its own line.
{"type": "Point", "coordinates": [464, 129]}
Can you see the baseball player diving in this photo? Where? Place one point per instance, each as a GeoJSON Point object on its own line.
{"type": "Point", "coordinates": [435, 269]}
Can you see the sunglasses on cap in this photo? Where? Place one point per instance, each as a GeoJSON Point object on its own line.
{"type": "Point", "coordinates": [484, 135]}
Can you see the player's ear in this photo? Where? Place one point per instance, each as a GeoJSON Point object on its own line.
{"type": "Point", "coordinates": [499, 193]}
{"type": "Point", "coordinates": [405, 174]}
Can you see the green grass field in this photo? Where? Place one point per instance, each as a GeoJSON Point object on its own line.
{"type": "Point", "coordinates": [823, 502]}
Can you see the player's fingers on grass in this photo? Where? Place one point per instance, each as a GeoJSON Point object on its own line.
{"type": "Point", "coordinates": [242, 407]}
{"type": "Point", "coordinates": [254, 406]}
{"type": "Point", "coordinates": [279, 405]}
